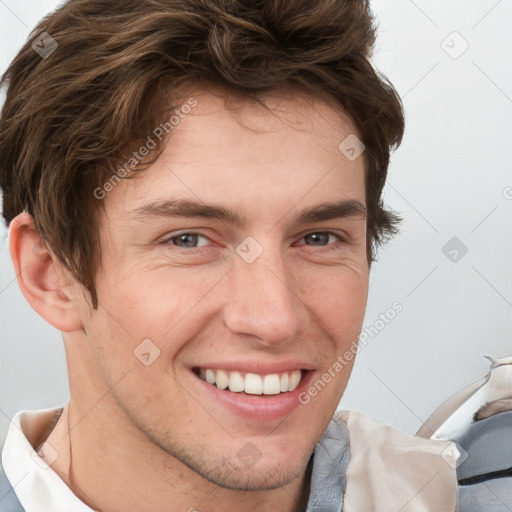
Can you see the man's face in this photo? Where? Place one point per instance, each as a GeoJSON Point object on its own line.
{"type": "Point", "coordinates": [254, 300]}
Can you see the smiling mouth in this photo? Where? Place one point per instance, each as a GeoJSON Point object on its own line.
{"type": "Point", "coordinates": [251, 383]}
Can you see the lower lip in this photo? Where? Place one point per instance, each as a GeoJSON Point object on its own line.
{"type": "Point", "coordinates": [257, 407]}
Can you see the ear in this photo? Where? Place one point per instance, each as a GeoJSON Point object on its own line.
{"type": "Point", "coordinates": [41, 277]}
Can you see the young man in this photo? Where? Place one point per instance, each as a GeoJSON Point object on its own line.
{"type": "Point", "coordinates": [194, 196]}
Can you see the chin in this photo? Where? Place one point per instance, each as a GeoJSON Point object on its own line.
{"type": "Point", "coordinates": [245, 470]}
{"type": "Point", "coordinates": [263, 477]}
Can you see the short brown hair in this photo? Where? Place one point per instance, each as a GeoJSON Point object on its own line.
{"type": "Point", "coordinates": [70, 119]}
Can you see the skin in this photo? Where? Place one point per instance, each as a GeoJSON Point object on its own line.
{"type": "Point", "coordinates": [148, 436]}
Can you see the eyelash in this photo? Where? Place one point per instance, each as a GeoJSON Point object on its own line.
{"type": "Point", "coordinates": [325, 248]}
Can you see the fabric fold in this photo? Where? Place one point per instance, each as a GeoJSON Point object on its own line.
{"type": "Point", "coordinates": [393, 471]}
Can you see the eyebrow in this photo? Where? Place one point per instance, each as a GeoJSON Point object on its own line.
{"type": "Point", "coordinates": [187, 208]}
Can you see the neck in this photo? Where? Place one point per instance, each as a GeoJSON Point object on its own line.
{"type": "Point", "coordinates": [109, 464]}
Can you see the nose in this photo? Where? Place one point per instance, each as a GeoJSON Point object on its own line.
{"type": "Point", "coordinates": [263, 303]}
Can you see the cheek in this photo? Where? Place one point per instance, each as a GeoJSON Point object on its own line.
{"type": "Point", "coordinates": [153, 311]}
{"type": "Point", "coordinates": [337, 296]}
{"type": "Point", "coordinates": [150, 302]}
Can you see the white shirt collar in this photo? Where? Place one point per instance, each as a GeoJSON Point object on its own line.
{"type": "Point", "coordinates": [38, 487]}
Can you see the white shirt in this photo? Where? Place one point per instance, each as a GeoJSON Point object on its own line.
{"type": "Point", "coordinates": [38, 487]}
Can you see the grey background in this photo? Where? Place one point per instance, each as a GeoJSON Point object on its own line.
{"type": "Point", "coordinates": [448, 179]}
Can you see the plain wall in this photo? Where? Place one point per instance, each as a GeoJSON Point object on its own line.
{"type": "Point", "coordinates": [451, 178]}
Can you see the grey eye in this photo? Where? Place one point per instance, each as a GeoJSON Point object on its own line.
{"type": "Point", "coordinates": [317, 239]}
{"type": "Point", "coordinates": [189, 240]}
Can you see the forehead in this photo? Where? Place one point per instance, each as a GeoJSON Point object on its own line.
{"type": "Point", "coordinates": [238, 122]}
{"type": "Point", "coordinates": [228, 149]}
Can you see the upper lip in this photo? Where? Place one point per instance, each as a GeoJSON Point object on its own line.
{"type": "Point", "coordinates": [257, 367]}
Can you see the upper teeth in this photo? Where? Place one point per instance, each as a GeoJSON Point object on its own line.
{"type": "Point", "coordinates": [253, 383]}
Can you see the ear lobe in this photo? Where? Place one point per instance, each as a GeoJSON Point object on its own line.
{"type": "Point", "coordinates": [39, 276]}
